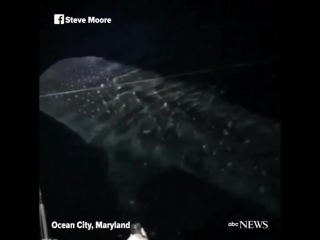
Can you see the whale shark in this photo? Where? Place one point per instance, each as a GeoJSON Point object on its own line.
{"type": "Point", "coordinates": [148, 123]}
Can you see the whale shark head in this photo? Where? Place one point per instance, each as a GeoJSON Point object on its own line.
{"type": "Point", "coordinates": [159, 122]}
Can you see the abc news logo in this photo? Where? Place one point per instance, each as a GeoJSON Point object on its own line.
{"type": "Point", "coordinates": [235, 224]}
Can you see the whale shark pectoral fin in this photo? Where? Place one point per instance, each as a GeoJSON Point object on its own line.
{"type": "Point", "coordinates": [127, 174]}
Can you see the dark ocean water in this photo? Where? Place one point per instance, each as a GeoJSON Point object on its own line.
{"type": "Point", "coordinates": [166, 39]}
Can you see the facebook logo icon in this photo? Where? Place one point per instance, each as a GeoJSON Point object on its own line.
{"type": "Point", "coordinates": [59, 19]}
